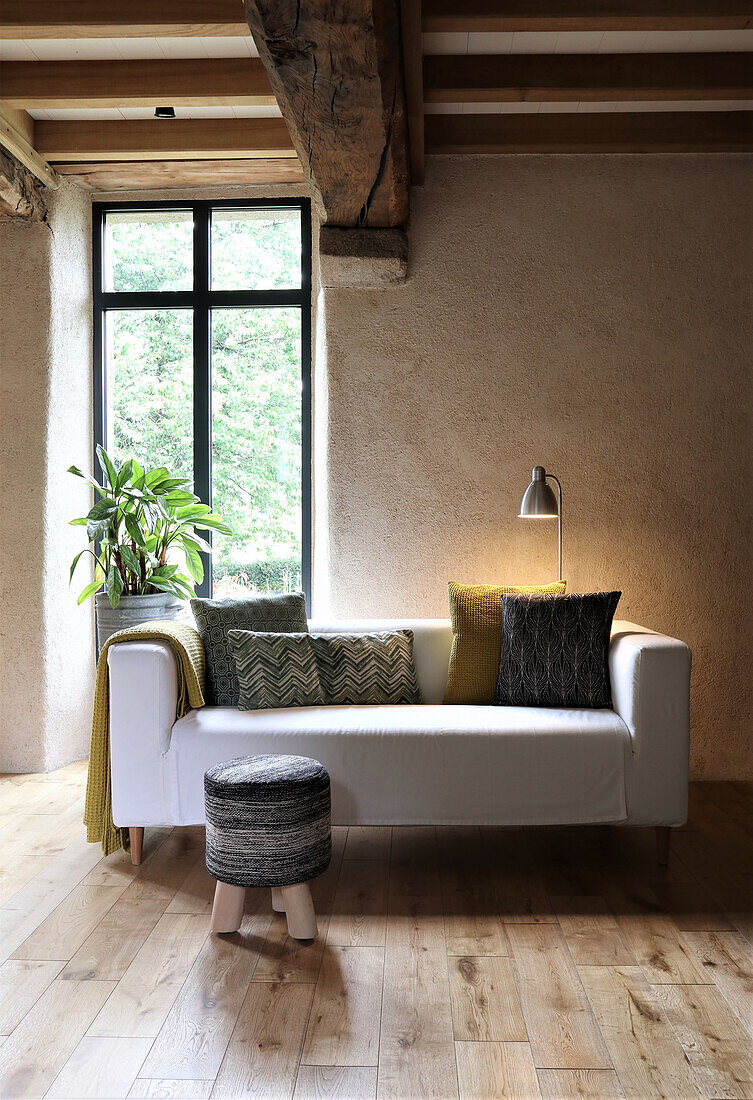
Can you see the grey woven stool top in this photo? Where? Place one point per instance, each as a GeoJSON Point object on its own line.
{"type": "Point", "coordinates": [268, 820]}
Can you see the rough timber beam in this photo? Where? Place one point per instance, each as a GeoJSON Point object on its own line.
{"type": "Point", "coordinates": [337, 74]}
{"type": "Point", "coordinates": [20, 191]}
{"type": "Point", "coordinates": [194, 82]}
{"type": "Point", "coordinates": [17, 138]}
{"type": "Point", "coordinates": [120, 18]}
{"type": "Point", "coordinates": [586, 15]}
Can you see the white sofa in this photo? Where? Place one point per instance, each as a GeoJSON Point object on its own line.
{"type": "Point", "coordinates": [428, 764]}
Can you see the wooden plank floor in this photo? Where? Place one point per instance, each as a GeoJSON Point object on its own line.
{"type": "Point", "coordinates": [451, 962]}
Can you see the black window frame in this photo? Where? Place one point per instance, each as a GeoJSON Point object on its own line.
{"type": "Point", "coordinates": [202, 299]}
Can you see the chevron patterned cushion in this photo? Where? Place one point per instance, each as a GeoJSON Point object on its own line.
{"type": "Point", "coordinates": [275, 670]}
{"type": "Point", "coordinates": [555, 650]}
{"type": "Point", "coordinates": [278, 612]}
{"type": "Point", "coordinates": [367, 669]}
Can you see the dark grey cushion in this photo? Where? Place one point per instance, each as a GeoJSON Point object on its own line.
{"type": "Point", "coordinates": [367, 669]}
{"type": "Point", "coordinates": [275, 670]}
{"type": "Point", "coordinates": [281, 613]}
{"type": "Point", "coordinates": [554, 650]}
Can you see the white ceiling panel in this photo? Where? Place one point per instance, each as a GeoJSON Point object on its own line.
{"type": "Point", "coordinates": [117, 49]}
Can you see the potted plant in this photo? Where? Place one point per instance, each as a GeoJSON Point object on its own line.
{"type": "Point", "coordinates": [141, 516]}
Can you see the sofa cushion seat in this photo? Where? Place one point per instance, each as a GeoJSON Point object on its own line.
{"type": "Point", "coordinates": [510, 765]}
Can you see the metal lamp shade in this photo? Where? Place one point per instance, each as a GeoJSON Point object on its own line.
{"type": "Point", "coordinates": [538, 500]}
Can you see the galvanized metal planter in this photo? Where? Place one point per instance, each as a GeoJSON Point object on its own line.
{"type": "Point", "coordinates": [131, 611]}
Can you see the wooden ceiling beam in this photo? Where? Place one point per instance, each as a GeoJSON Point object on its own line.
{"type": "Point", "coordinates": [120, 18]}
{"type": "Point", "coordinates": [586, 15]}
{"type": "Point", "coordinates": [20, 192]}
{"type": "Point", "coordinates": [337, 74]}
{"type": "Point", "coordinates": [167, 174]}
{"type": "Point", "coordinates": [518, 78]}
{"type": "Point", "coordinates": [17, 137]}
{"type": "Point", "coordinates": [616, 132]}
{"type": "Point", "coordinates": [173, 139]}
{"type": "Point", "coordinates": [194, 82]}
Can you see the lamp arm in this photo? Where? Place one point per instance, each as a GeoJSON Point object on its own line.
{"type": "Point", "coordinates": [559, 520]}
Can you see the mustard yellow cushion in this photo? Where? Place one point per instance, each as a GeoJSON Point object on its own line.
{"type": "Point", "coordinates": [476, 614]}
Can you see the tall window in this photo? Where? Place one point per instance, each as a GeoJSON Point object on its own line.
{"type": "Point", "coordinates": [202, 335]}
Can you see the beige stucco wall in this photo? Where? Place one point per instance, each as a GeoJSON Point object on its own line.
{"type": "Point", "coordinates": [592, 314]}
{"type": "Point", "coordinates": [46, 641]}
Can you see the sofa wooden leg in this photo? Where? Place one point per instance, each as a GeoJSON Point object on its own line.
{"type": "Point", "coordinates": [299, 908]}
{"type": "Point", "coordinates": [662, 844]}
{"type": "Point", "coordinates": [227, 910]}
{"type": "Point", "coordinates": [136, 836]}
{"type": "Point", "coordinates": [278, 904]}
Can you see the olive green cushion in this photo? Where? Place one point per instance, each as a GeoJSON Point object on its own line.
{"type": "Point", "coordinates": [476, 614]}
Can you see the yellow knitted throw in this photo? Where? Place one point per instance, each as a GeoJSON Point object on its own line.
{"type": "Point", "coordinates": [185, 642]}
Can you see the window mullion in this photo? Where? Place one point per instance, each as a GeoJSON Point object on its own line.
{"type": "Point", "coordinates": [202, 386]}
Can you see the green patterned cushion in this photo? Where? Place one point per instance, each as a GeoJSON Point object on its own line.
{"type": "Point", "coordinates": [275, 670]}
{"type": "Point", "coordinates": [280, 613]}
{"type": "Point", "coordinates": [367, 669]}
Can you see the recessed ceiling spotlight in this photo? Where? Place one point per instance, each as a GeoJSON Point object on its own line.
{"type": "Point", "coordinates": [164, 112]}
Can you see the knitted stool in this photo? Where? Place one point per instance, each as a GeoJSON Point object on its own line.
{"type": "Point", "coordinates": [268, 824]}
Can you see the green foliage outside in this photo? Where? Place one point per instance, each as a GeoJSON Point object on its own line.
{"type": "Point", "coordinates": [256, 381]}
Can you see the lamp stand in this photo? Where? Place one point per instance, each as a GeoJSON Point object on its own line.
{"type": "Point", "coordinates": [559, 522]}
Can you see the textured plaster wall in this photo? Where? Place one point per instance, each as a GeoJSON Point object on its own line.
{"type": "Point", "coordinates": [592, 314]}
{"type": "Point", "coordinates": [46, 641]}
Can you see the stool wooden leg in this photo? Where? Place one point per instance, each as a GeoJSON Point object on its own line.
{"type": "Point", "coordinates": [136, 836]}
{"type": "Point", "coordinates": [299, 908]}
{"type": "Point", "coordinates": [227, 911]}
{"type": "Point", "coordinates": [278, 904]}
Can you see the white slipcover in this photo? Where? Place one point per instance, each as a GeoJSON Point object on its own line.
{"type": "Point", "coordinates": [428, 764]}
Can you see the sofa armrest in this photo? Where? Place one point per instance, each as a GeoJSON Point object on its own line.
{"type": "Point", "coordinates": [650, 676]}
{"type": "Point", "coordinates": [143, 704]}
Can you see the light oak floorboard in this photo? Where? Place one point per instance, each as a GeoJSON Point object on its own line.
{"type": "Point", "coordinates": [368, 842]}
{"type": "Point", "coordinates": [196, 892]}
{"type": "Point", "coordinates": [144, 995]}
{"type": "Point", "coordinates": [283, 959]}
{"type": "Point", "coordinates": [690, 907]}
{"type": "Point", "coordinates": [644, 1049]}
{"type": "Point", "coordinates": [485, 1005]}
{"type": "Point", "coordinates": [262, 1058]}
{"type": "Point", "coordinates": [54, 1026]}
{"type": "Point", "coordinates": [493, 1071]}
{"type": "Point", "coordinates": [195, 1035]}
{"type": "Point", "coordinates": [728, 958]}
{"type": "Point", "coordinates": [110, 949]}
{"type": "Point", "coordinates": [18, 872]}
{"type": "Point", "coordinates": [147, 1088]}
{"type": "Point", "coordinates": [416, 1051]}
{"type": "Point", "coordinates": [472, 922]}
{"type": "Point", "coordinates": [562, 1084]}
{"type": "Point", "coordinates": [715, 1042]}
{"type": "Point", "coordinates": [66, 928]}
{"type": "Point", "coordinates": [359, 913]}
{"type": "Point", "coordinates": [344, 1026]}
{"type": "Point", "coordinates": [591, 932]}
{"type": "Point", "coordinates": [99, 1068]}
{"type": "Point", "coordinates": [22, 983]}
{"type": "Point", "coordinates": [562, 1031]}
{"type": "Point", "coordinates": [336, 1083]}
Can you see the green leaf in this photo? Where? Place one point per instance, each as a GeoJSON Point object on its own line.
{"type": "Point", "coordinates": [194, 563]}
{"type": "Point", "coordinates": [89, 591]}
{"type": "Point", "coordinates": [103, 509]}
{"type": "Point", "coordinates": [193, 511]}
{"type": "Point", "coordinates": [114, 585]}
{"type": "Point", "coordinates": [75, 563]}
{"type": "Point", "coordinates": [215, 523]}
{"type": "Point", "coordinates": [179, 497]}
{"type": "Point", "coordinates": [125, 473]}
{"type": "Point", "coordinates": [130, 560]}
{"type": "Point", "coordinates": [134, 529]}
{"type": "Point", "coordinates": [154, 477]}
{"type": "Point", "coordinates": [77, 522]}
{"type": "Point", "coordinates": [107, 466]}
{"type": "Point", "coordinates": [195, 541]}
